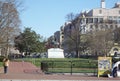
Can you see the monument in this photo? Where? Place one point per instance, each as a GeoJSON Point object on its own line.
{"type": "Point", "coordinates": [55, 53]}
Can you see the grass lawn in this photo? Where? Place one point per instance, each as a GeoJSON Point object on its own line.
{"type": "Point", "coordinates": [1, 64]}
{"type": "Point", "coordinates": [74, 70]}
{"type": "Point", "coordinates": [60, 61]}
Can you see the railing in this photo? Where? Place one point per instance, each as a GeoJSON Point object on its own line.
{"type": "Point", "coordinates": [81, 66]}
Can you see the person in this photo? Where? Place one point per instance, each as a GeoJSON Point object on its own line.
{"type": "Point", "coordinates": [5, 64]}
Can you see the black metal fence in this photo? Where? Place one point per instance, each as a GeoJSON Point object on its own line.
{"type": "Point", "coordinates": [79, 66]}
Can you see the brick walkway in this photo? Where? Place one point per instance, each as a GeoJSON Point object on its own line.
{"type": "Point", "coordinates": [26, 70]}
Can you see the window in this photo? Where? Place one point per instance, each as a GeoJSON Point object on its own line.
{"type": "Point", "coordinates": [62, 32]}
{"type": "Point", "coordinates": [115, 49]}
{"type": "Point", "coordinates": [116, 26]}
{"type": "Point", "coordinates": [101, 20]}
{"type": "Point", "coordinates": [106, 26]}
{"type": "Point", "coordinates": [119, 21]}
{"type": "Point", "coordinates": [96, 26]}
{"type": "Point", "coordinates": [95, 20]}
{"type": "Point", "coordinates": [91, 26]}
{"type": "Point", "coordinates": [115, 54]}
{"type": "Point", "coordinates": [115, 17]}
{"type": "Point", "coordinates": [87, 20]}
{"type": "Point", "coordinates": [111, 26]}
{"type": "Point", "coordinates": [90, 20]}
{"type": "Point", "coordinates": [110, 17]}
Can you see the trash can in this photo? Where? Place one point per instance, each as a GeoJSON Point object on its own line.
{"type": "Point", "coordinates": [44, 66]}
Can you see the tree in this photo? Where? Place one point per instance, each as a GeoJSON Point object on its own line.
{"type": "Point", "coordinates": [117, 35]}
{"type": "Point", "coordinates": [73, 34]}
{"type": "Point", "coordinates": [29, 41]}
{"type": "Point", "coordinates": [9, 23]}
{"type": "Point", "coordinates": [100, 37]}
{"type": "Point", "coordinates": [100, 42]}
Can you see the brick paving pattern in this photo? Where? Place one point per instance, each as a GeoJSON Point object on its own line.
{"type": "Point", "coordinates": [26, 70]}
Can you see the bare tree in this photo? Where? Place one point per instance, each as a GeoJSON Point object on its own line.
{"type": "Point", "coordinates": [9, 23]}
{"type": "Point", "coordinates": [100, 42]}
{"type": "Point", "coordinates": [117, 35]}
{"type": "Point", "coordinates": [73, 33]}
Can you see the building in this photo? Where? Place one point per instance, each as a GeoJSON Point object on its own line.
{"type": "Point", "coordinates": [95, 19]}
{"type": "Point", "coordinates": [102, 18]}
{"type": "Point", "coordinates": [115, 50]}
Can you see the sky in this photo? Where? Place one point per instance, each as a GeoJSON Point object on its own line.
{"type": "Point", "coordinates": [45, 17]}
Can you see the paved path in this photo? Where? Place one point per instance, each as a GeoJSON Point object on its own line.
{"type": "Point", "coordinates": [20, 71]}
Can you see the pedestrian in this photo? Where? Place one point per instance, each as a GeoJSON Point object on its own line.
{"type": "Point", "coordinates": [5, 64]}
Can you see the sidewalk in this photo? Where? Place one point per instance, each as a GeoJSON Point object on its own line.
{"type": "Point", "coordinates": [22, 71]}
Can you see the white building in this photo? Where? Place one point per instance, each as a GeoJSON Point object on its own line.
{"type": "Point", "coordinates": [95, 19]}
{"type": "Point", "coordinates": [102, 18]}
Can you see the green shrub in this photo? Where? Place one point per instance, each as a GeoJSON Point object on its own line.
{"type": "Point", "coordinates": [1, 58]}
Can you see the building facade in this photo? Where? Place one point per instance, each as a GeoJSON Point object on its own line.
{"type": "Point", "coordinates": [102, 18]}
{"type": "Point", "coordinates": [96, 19]}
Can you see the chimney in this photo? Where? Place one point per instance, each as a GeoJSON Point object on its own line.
{"type": "Point", "coordinates": [102, 3]}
